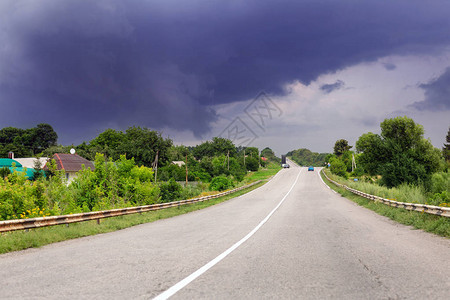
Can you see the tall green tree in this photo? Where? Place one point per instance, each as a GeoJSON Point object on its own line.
{"type": "Point", "coordinates": [43, 137]}
{"type": "Point", "coordinates": [143, 144]}
{"type": "Point", "coordinates": [446, 148]}
{"type": "Point", "coordinates": [341, 146]}
{"type": "Point", "coordinates": [270, 155]}
{"type": "Point", "coordinates": [400, 154]}
{"type": "Point", "coordinates": [218, 146]}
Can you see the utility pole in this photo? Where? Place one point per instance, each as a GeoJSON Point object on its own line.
{"type": "Point", "coordinates": [244, 157]}
{"type": "Point", "coordinates": [228, 157]}
{"type": "Point", "coordinates": [259, 158]}
{"type": "Point", "coordinates": [156, 165]}
{"type": "Point", "coordinates": [353, 162]}
{"type": "Point", "coordinates": [186, 172]}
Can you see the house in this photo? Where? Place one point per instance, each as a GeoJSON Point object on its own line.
{"type": "Point", "coordinates": [14, 165]}
{"type": "Point", "coordinates": [179, 163]}
{"type": "Point", "coordinates": [71, 164]}
{"type": "Point", "coordinates": [29, 162]}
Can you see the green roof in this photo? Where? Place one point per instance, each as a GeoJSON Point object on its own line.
{"type": "Point", "coordinates": [29, 173]}
{"type": "Point", "coordinates": [8, 162]}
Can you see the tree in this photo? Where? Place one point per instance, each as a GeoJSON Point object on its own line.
{"type": "Point", "coordinates": [446, 148]}
{"type": "Point", "coordinates": [270, 155]}
{"type": "Point", "coordinates": [108, 142]}
{"type": "Point", "coordinates": [338, 167]}
{"type": "Point", "coordinates": [218, 146]}
{"type": "Point", "coordinates": [43, 136]}
{"type": "Point", "coordinates": [251, 163]}
{"type": "Point", "coordinates": [177, 153]}
{"type": "Point", "coordinates": [37, 172]}
{"type": "Point", "coordinates": [27, 142]}
{"type": "Point", "coordinates": [143, 144]}
{"type": "Point", "coordinates": [110, 138]}
{"type": "Point", "coordinates": [305, 157]}
{"type": "Point", "coordinates": [341, 146]}
{"type": "Point", "coordinates": [402, 131]}
{"type": "Point", "coordinates": [374, 151]}
{"type": "Point", "coordinates": [400, 154]}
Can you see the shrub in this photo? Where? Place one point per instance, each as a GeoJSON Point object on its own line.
{"type": "Point", "coordinates": [252, 164]}
{"type": "Point", "coordinates": [220, 183]}
{"type": "Point", "coordinates": [191, 191]}
{"type": "Point", "coordinates": [170, 191]}
{"type": "Point", "coordinates": [4, 172]}
{"type": "Point", "coordinates": [440, 198]}
{"type": "Point", "coordinates": [339, 168]}
{"type": "Point", "coordinates": [440, 182]}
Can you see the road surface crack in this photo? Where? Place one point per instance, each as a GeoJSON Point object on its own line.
{"type": "Point", "coordinates": [378, 280]}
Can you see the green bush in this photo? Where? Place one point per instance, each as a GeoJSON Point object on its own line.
{"type": "Point", "coordinates": [221, 183]}
{"type": "Point", "coordinates": [170, 191]}
{"type": "Point", "coordinates": [191, 191]}
{"type": "Point", "coordinates": [440, 198]}
{"type": "Point", "coordinates": [110, 185]}
{"type": "Point", "coordinates": [339, 168]}
{"type": "Point", "coordinates": [4, 171]}
{"type": "Point", "coordinates": [201, 176]}
{"type": "Point", "coordinates": [440, 182]}
{"type": "Point", "coordinates": [252, 164]}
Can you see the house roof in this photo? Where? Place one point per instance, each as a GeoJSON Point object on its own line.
{"type": "Point", "coordinates": [8, 162]}
{"type": "Point", "coordinates": [178, 163]}
{"type": "Point", "coordinates": [28, 162]}
{"type": "Point", "coordinates": [71, 162]}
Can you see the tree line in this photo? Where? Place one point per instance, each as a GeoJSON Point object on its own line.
{"type": "Point", "coordinates": [305, 157]}
{"type": "Point", "coordinates": [399, 155]}
{"type": "Point", "coordinates": [125, 173]}
{"type": "Point", "coordinates": [27, 142]}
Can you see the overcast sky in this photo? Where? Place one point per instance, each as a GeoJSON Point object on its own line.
{"type": "Point", "coordinates": [283, 74]}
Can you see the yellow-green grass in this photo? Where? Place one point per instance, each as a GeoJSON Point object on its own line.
{"type": "Point", "coordinates": [20, 240]}
{"type": "Point", "coordinates": [270, 170]}
{"type": "Point", "coordinates": [430, 223]}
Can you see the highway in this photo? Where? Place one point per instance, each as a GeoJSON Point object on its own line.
{"type": "Point", "coordinates": [292, 238]}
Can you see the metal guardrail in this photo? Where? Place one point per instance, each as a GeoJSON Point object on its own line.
{"type": "Point", "coordinates": [429, 209]}
{"type": "Point", "coordinates": [22, 224]}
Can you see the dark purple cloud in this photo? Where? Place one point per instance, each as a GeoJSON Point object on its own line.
{"type": "Point", "coordinates": [389, 66]}
{"type": "Point", "coordinates": [83, 66]}
{"type": "Point", "coordinates": [328, 88]}
{"type": "Point", "coordinates": [437, 94]}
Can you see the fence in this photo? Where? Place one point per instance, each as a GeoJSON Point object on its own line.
{"type": "Point", "coordinates": [429, 209]}
{"type": "Point", "coordinates": [21, 224]}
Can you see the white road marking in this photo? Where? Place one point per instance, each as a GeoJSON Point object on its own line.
{"type": "Point", "coordinates": [183, 283]}
{"type": "Point", "coordinates": [318, 173]}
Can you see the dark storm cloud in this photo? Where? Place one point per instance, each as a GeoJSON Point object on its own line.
{"type": "Point", "coordinates": [84, 66]}
{"type": "Point", "coordinates": [389, 66]}
{"type": "Point", "coordinates": [437, 94]}
{"type": "Point", "coordinates": [328, 88]}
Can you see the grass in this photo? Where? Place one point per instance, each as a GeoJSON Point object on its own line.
{"type": "Point", "coordinates": [402, 193]}
{"type": "Point", "coordinates": [430, 223]}
{"type": "Point", "coordinates": [270, 170]}
{"type": "Point", "coordinates": [20, 240]}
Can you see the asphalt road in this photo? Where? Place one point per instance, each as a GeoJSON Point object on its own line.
{"type": "Point", "coordinates": [315, 245]}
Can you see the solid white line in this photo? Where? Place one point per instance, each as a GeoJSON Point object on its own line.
{"type": "Point", "coordinates": [318, 173]}
{"type": "Point", "coordinates": [183, 283]}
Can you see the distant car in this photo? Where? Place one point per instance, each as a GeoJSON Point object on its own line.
{"type": "Point", "coordinates": [311, 168]}
{"type": "Point", "coordinates": [285, 165]}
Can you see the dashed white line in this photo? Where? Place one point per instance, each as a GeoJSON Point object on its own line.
{"type": "Point", "coordinates": [183, 283]}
